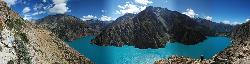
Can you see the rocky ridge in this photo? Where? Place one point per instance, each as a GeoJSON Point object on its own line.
{"type": "Point", "coordinates": [24, 43]}
{"type": "Point", "coordinates": [239, 51]}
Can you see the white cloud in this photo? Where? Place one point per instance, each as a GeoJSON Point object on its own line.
{"type": "Point", "coordinates": [105, 18]}
{"type": "Point", "coordinates": [37, 7]}
{"type": "Point", "coordinates": [40, 9]}
{"type": "Point", "coordinates": [60, 7]}
{"type": "Point", "coordinates": [226, 22]}
{"type": "Point", "coordinates": [26, 13]}
{"type": "Point", "coordinates": [26, 10]}
{"type": "Point", "coordinates": [88, 17]}
{"type": "Point", "coordinates": [247, 19]}
{"type": "Point", "coordinates": [143, 2]}
{"type": "Point", "coordinates": [27, 17]}
{"type": "Point", "coordinates": [59, 1]}
{"type": "Point", "coordinates": [47, 7]}
{"type": "Point", "coordinates": [235, 23]}
{"type": "Point", "coordinates": [142, 7]}
{"type": "Point", "coordinates": [38, 12]}
{"type": "Point", "coordinates": [129, 8]}
{"type": "Point", "coordinates": [208, 18]}
{"type": "Point", "coordinates": [44, 1]}
{"type": "Point", "coordinates": [189, 12]}
{"type": "Point", "coordinates": [10, 2]}
{"type": "Point", "coordinates": [102, 11]}
{"type": "Point", "coordinates": [133, 7]}
{"type": "Point", "coordinates": [230, 22]}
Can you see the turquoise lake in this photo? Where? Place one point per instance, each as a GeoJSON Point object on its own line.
{"type": "Point", "coordinates": [131, 55]}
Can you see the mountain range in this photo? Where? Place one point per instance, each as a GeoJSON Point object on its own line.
{"type": "Point", "coordinates": [68, 27]}
{"type": "Point", "coordinates": [24, 42]}
{"type": "Point", "coordinates": [155, 26]}
{"type": "Point", "coordinates": [151, 28]}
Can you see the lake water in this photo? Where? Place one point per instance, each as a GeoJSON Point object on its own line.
{"type": "Point", "coordinates": [131, 55]}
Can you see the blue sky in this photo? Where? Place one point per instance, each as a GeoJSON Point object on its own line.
{"type": "Point", "coordinates": [227, 11]}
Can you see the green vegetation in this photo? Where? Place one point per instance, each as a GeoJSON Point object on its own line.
{"type": "Point", "coordinates": [24, 37]}
{"type": "Point", "coordinates": [11, 62]}
{"type": "Point", "coordinates": [23, 53]}
{"type": "Point", "coordinates": [17, 24]}
{"type": "Point", "coordinates": [1, 49]}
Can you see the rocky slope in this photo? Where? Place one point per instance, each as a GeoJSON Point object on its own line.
{"type": "Point", "coordinates": [239, 51]}
{"type": "Point", "coordinates": [182, 60]}
{"type": "Point", "coordinates": [152, 28]}
{"type": "Point", "coordinates": [25, 43]}
{"type": "Point", "coordinates": [241, 33]}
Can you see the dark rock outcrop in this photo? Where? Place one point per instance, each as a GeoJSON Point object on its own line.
{"type": "Point", "coordinates": [152, 28]}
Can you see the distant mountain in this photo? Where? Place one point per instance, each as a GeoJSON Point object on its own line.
{"type": "Point", "coordinates": [96, 25]}
{"type": "Point", "coordinates": [69, 27]}
{"type": "Point", "coordinates": [216, 27]}
{"type": "Point", "coordinates": [22, 42]}
{"type": "Point", "coordinates": [152, 28]}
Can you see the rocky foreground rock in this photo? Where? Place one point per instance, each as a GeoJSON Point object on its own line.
{"type": "Point", "coordinates": [182, 60]}
{"type": "Point", "coordinates": [22, 42]}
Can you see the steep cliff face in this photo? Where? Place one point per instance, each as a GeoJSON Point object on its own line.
{"type": "Point", "coordinates": [152, 28]}
{"type": "Point", "coordinates": [24, 43]}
